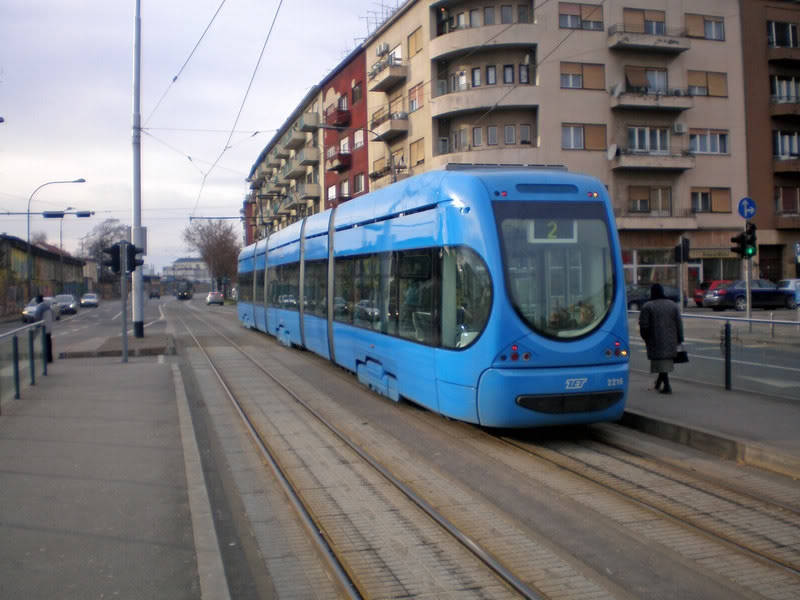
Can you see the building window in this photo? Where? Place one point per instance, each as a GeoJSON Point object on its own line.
{"type": "Point", "coordinates": [524, 74]}
{"type": "Point", "coordinates": [787, 200]}
{"type": "Point", "coordinates": [475, 17]}
{"type": "Point", "coordinates": [358, 183]}
{"type": "Point", "coordinates": [785, 144]}
{"type": "Point", "coordinates": [415, 98]}
{"type": "Point", "coordinates": [491, 75]}
{"type": "Point", "coordinates": [524, 134]}
{"type": "Point", "coordinates": [458, 81]}
{"type": "Point", "coordinates": [342, 104]}
{"type": "Point", "coordinates": [510, 134]}
{"type": "Point", "coordinates": [358, 93]}
{"type": "Point", "coordinates": [637, 20]}
{"type": "Point", "coordinates": [646, 80]}
{"type": "Point", "coordinates": [703, 26]}
{"type": "Point", "coordinates": [702, 83]}
{"type": "Point", "coordinates": [488, 15]}
{"type": "Point", "coordinates": [583, 137]}
{"type": "Point", "coordinates": [460, 140]}
{"type": "Point", "coordinates": [477, 136]}
{"type": "Point", "coordinates": [651, 140]}
{"type": "Point", "coordinates": [583, 76]}
{"type": "Point", "coordinates": [716, 200]}
{"type": "Point", "coordinates": [784, 88]}
{"type": "Point", "coordinates": [655, 201]}
{"type": "Point", "coordinates": [344, 188]}
{"type": "Point", "coordinates": [782, 35]}
{"type": "Point", "coordinates": [415, 42]}
{"type": "Point", "coordinates": [332, 192]}
{"type": "Point", "coordinates": [476, 77]}
{"type": "Point", "coordinates": [417, 152]}
{"type": "Point", "coordinates": [580, 16]}
{"type": "Point", "coordinates": [705, 141]}
{"type": "Point", "coordinates": [358, 138]}
{"type": "Point", "coordinates": [344, 145]}
{"type": "Point", "coordinates": [491, 135]}
{"type": "Point", "coordinates": [506, 12]}
{"type": "Point", "coordinates": [508, 74]}
{"type": "Point", "coordinates": [330, 152]}
{"type": "Point", "coordinates": [522, 13]}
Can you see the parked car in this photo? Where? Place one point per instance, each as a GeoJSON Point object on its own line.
{"type": "Point", "coordinates": [68, 303]}
{"type": "Point", "coordinates": [637, 295]}
{"type": "Point", "coordinates": [764, 294]}
{"type": "Point", "coordinates": [792, 285]}
{"type": "Point", "coordinates": [704, 287]}
{"type": "Point", "coordinates": [90, 300]}
{"type": "Point", "coordinates": [215, 298]}
{"type": "Point", "coordinates": [155, 294]}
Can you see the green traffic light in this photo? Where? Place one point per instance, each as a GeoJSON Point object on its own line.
{"type": "Point", "coordinates": [749, 251]}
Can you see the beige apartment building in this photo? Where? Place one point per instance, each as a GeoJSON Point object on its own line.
{"type": "Point", "coordinates": [646, 95]}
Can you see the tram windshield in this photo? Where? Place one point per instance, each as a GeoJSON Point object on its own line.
{"type": "Point", "coordinates": [557, 259]}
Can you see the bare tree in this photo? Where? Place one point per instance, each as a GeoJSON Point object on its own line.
{"type": "Point", "coordinates": [218, 243]}
{"type": "Point", "coordinates": [103, 235]}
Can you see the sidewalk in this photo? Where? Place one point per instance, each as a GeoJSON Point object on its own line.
{"type": "Point", "coordinates": [99, 490]}
{"type": "Point", "coordinates": [754, 429]}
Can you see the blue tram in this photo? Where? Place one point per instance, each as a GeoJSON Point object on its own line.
{"type": "Point", "coordinates": [492, 296]}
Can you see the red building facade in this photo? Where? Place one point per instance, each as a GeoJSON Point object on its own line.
{"type": "Point", "coordinates": [344, 104]}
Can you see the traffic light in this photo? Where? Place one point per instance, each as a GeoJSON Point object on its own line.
{"type": "Point", "coordinates": [738, 244]}
{"type": "Point", "coordinates": [112, 262]}
{"type": "Point", "coordinates": [682, 251]}
{"type": "Point", "coordinates": [750, 246]}
{"type": "Point", "coordinates": [131, 261]}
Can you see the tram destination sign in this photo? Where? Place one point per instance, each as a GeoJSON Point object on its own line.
{"type": "Point", "coordinates": [553, 231]}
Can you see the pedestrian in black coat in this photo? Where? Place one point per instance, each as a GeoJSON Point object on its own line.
{"type": "Point", "coordinates": [661, 327]}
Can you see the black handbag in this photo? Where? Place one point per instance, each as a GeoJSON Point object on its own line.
{"type": "Point", "coordinates": [682, 356]}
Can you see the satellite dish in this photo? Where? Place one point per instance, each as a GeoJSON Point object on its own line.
{"type": "Point", "coordinates": [612, 151]}
{"type": "Point", "coordinates": [616, 90]}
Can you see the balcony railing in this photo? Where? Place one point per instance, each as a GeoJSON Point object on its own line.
{"type": "Point", "coordinates": [309, 122]}
{"type": "Point", "coordinates": [668, 40]}
{"type": "Point", "coordinates": [672, 159]}
{"type": "Point", "coordinates": [340, 161]}
{"type": "Point", "coordinates": [386, 74]}
{"type": "Point", "coordinates": [337, 117]}
{"type": "Point", "coordinates": [651, 98]}
{"type": "Point", "coordinates": [655, 213]}
{"type": "Point", "coordinates": [387, 126]}
{"type": "Point", "coordinates": [642, 30]}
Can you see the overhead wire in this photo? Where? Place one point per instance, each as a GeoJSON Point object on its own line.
{"type": "Point", "coordinates": [241, 107]}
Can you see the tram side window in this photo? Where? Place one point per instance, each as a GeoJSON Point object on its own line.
{"type": "Point", "coordinates": [415, 286]}
{"type": "Point", "coordinates": [273, 282]}
{"type": "Point", "coordinates": [291, 286]}
{"type": "Point", "coordinates": [260, 287]}
{"type": "Point", "coordinates": [365, 291]}
{"type": "Point", "coordinates": [466, 296]}
{"type": "Point", "coordinates": [246, 287]}
{"type": "Point", "coordinates": [343, 290]}
{"type": "Point", "coordinates": [314, 286]}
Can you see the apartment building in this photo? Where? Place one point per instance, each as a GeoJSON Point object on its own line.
{"type": "Point", "coordinates": [646, 95]}
{"type": "Point", "coordinates": [772, 97]}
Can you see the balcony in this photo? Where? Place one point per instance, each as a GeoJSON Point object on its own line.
{"type": "Point", "coordinates": [668, 100]}
{"type": "Point", "coordinates": [280, 152]}
{"type": "Point", "coordinates": [295, 170]}
{"type": "Point", "coordinates": [473, 99]}
{"type": "Point", "coordinates": [523, 154]}
{"type": "Point", "coordinates": [783, 55]}
{"type": "Point", "coordinates": [276, 186]}
{"type": "Point", "coordinates": [789, 165]}
{"type": "Point", "coordinates": [341, 161]}
{"type": "Point", "coordinates": [388, 126]}
{"type": "Point", "coordinates": [309, 191]}
{"type": "Point", "coordinates": [680, 219]}
{"type": "Point", "coordinates": [489, 37]}
{"type": "Point", "coordinates": [383, 177]}
{"type": "Point", "coordinates": [653, 160]}
{"type": "Point", "coordinates": [785, 107]}
{"type": "Point", "coordinates": [272, 161]}
{"type": "Point", "coordinates": [308, 157]}
{"type": "Point", "coordinates": [293, 201]}
{"type": "Point", "coordinates": [308, 122]}
{"type": "Point", "coordinates": [633, 37]}
{"type": "Point", "coordinates": [386, 74]}
{"type": "Point", "coordinates": [293, 139]}
{"type": "Point", "coordinates": [337, 117]}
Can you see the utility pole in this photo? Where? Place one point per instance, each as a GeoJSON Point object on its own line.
{"type": "Point", "coordinates": [136, 232]}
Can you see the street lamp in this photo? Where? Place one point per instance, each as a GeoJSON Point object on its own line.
{"type": "Point", "coordinates": [59, 214]}
{"type": "Point", "coordinates": [377, 137]}
{"type": "Point", "coordinates": [30, 262]}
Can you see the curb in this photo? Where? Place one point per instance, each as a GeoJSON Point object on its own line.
{"type": "Point", "coordinates": [168, 349]}
{"type": "Point", "coordinates": [750, 453]}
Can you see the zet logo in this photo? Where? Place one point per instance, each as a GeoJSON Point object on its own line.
{"type": "Point", "coordinates": [576, 383]}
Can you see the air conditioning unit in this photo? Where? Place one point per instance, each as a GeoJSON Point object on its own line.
{"type": "Point", "coordinates": [680, 128]}
{"type": "Point", "coordinates": [399, 115]}
{"type": "Point", "coordinates": [382, 49]}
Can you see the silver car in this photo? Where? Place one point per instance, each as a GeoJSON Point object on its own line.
{"type": "Point", "coordinates": [68, 303]}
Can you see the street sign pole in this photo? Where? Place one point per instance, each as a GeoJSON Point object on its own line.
{"type": "Point", "coordinates": [747, 210]}
{"type": "Point", "coordinates": [747, 277]}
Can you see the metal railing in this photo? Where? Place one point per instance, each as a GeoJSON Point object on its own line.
{"type": "Point", "coordinates": [20, 352]}
{"type": "Point", "coordinates": [641, 29]}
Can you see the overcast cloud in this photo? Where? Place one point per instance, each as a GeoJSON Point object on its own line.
{"type": "Point", "coordinates": [66, 97]}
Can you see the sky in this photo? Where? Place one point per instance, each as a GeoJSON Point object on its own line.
{"type": "Point", "coordinates": [66, 98]}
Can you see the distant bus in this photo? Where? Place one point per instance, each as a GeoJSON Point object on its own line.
{"type": "Point", "coordinates": [184, 290]}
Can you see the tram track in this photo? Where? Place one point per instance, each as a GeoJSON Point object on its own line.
{"type": "Point", "coordinates": [339, 566]}
{"type": "Point", "coordinates": [618, 481]}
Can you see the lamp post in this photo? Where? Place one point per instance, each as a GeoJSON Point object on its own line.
{"type": "Point", "coordinates": [30, 262]}
{"type": "Point", "coordinates": [377, 137]}
{"type": "Point", "coordinates": [61, 251]}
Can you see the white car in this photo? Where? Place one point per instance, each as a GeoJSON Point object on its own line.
{"type": "Point", "coordinates": [90, 300]}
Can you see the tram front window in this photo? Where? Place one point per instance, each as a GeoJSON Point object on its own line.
{"type": "Point", "coordinates": [558, 264]}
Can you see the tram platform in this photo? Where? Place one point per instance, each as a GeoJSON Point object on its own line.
{"type": "Point", "coordinates": [102, 493]}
